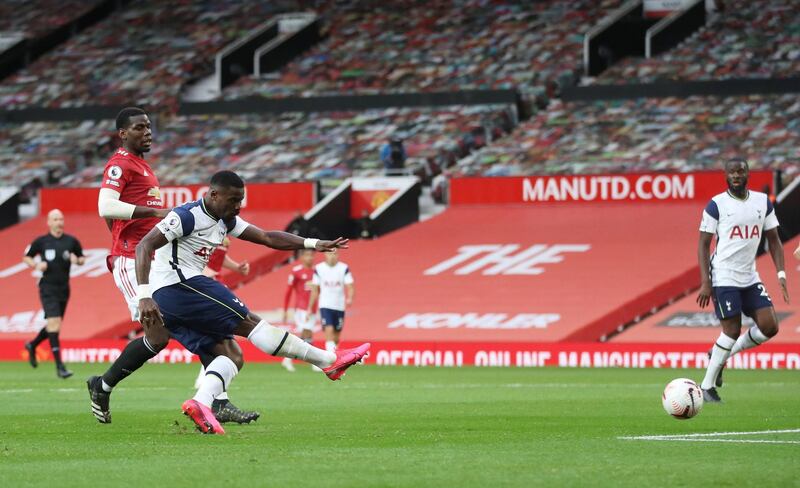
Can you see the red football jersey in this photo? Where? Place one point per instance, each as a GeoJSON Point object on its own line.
{"type": "Point", "coordinates": [136, 183]}
{"type": "Point", "coordinates": [300, 283]}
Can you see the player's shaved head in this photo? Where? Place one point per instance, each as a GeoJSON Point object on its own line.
{"type": "Point", "coordinates": [55, 214]}
{"type": "Point", "coordinates": [124, 116]}
{"type": "Point", "coordinates": [55, 221]}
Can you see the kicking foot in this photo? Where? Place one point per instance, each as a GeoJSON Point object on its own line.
{"type": "Point", "coordinates": [287, 363]}
{"type": "Point", "coordinates": [63, 372]}
{"type": "Point", "coordinates": [31, 354]}
{"type": "Point", "coordinates": [346, 358]}
{"type": "Point", "coordinates": [99, 398]}
{"type": "Point", "coordinates": [202, 417]}
{"type": "Point", "coordinates": [225, 411]}
{"type": "Point", "coordinates": [711, 396]}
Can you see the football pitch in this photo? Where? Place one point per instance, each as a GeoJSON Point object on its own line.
{"type": "Point", "coordinates": [391, 426]}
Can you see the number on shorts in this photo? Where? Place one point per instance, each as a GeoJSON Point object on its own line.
{"type": "Point", "coordinates": [764, 292]}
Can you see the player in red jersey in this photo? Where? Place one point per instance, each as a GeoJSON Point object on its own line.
{"type": "Point", "coordinates": [130, 201]}
{"type": "Point", "coordinates": [300, 284]}
{"type": "Point", "coordinates": [219, 259]}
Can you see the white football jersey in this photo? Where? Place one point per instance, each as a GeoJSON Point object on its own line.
{"type": "Point", "coordinates": [331, 281]}
{"type": "Point", "coordinates": [193, 234]}
{"type": "Point", "coordinates": [739, 226]}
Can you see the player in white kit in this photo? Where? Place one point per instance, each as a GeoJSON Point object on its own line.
{"type": "Point", "coordinates": [333, 286]}
{"type": "Point", "coordinates": [204, 315]}
{"type": "Point", "coordinates": [738, 218]}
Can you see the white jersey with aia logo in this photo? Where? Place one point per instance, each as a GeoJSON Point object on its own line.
{"type": "Point", "coordinates": [193, 234]}
{"type": "Point", "coordinates": [739, 226]}
{"type": "Point", "coordinates": [331, 281]}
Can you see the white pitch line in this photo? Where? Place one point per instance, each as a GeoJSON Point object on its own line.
{"type": "Point", "coordinates": [735, 441]}
{"type": "Point", "coordinates": [706, 434]}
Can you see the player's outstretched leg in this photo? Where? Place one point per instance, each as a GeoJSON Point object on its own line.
{"type": "Point", "coordinates": [277, 342]}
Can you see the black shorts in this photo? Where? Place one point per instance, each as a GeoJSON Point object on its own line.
{"type": "Point", "coordinates": [54, 301]}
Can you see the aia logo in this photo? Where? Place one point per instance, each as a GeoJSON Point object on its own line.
{"type": "Point", "coordinates": [204, 252]}
{"type": "Point", "coordinates": [745, 232]}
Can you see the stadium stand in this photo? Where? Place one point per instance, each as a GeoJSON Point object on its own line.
{"type": "Point", "coordinates": [441, 45]}
{"type": "Point", "coordinates": [684, 322]}
{"type": "Point", "coordinates": [422, 283]}
{"type": "Point", "coordinates": [289, 146]}
{"type": "Point", "coordinates": [34, 18]}
{"type": "Point", "coordinates": [145, 53]}
{"type": "Point", "coordinates": [752, 38]}
{"type": "Point", "coordinates": [647, 134]}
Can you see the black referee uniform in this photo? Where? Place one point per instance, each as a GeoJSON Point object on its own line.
{"type": "Point", "coordinates": [53, 286]}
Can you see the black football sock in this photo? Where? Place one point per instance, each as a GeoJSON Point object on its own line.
{"type": "Point", "coordinates": [56, 348]}
{"type": "Point", "coordinates": [135, 354]}
{"type": "Point", "coordinates": [39, 338]}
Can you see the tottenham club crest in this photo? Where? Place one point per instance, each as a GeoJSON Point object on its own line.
{"type": "Point", "coordinates": [115, 172]}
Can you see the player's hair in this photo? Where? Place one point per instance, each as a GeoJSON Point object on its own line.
{"type": "Point", "coordinates": [737, 159]}
{"type": "Point", "coordinates": [124, 116]}
{"type": "Point", "coordinates": [226, 179]}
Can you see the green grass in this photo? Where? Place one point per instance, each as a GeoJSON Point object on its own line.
{"type": "Point", "coordinates": [396, 427]}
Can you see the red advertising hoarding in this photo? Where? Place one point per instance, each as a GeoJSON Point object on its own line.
{"type": "Point", "coordinates": [458, 354]}
{"type": "Point", "coordinates": [627, 188]}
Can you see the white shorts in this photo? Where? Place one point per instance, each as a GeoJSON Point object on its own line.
{"type": "Point", "coordinates": [124, 273]}
{"type": "Point", "coordinates": [304, 321]}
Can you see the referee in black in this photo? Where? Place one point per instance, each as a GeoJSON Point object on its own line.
{"type": "Point", "coordinates": [58, 251]}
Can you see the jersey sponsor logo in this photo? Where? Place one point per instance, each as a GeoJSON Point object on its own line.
{"type": "Point", "coordinates": [155, 192]}
{"type": "Point", "coordinates": [605, 188]}
{"type": "Point", "coordinates": [112, 183]}
{"type": "Point", "coordinates": [745, 232]}
{"type": "Point", "coordinates": [472, 320]}
{"type": "Point", "coordinates": [115, 172]}
{"type": "Point", "coordinates": [496, 259]}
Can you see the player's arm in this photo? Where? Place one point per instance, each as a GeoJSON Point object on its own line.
{"type": "Point", "coordinates": [708, 228]}
{"type": "Point", "coordinates": [284, 241]}
{"type": "Point", "coordinates": [349, 287]}
{"type": "Point", "coordinates": [287, 297]}
{"type": "Point", "coordinates": [243, 267]}
{"type": "Point", "coordinates": [776, 251]}
{"type": "Point", "coordinates": [109, 206]}
{"type": "Point", "coordinates": [76, 256]}
{"type": "Point", "coordinates": [149, 314]}
{"type": "Point", "coordinates": [312, 298]}
{"type": "Point", "coordinates": [704, 260]}
{"type": "Point", "coordinates": [30, 253]}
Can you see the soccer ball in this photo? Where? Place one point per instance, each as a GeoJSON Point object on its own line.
{"type": "Point", "coordinates": [682, 398]}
